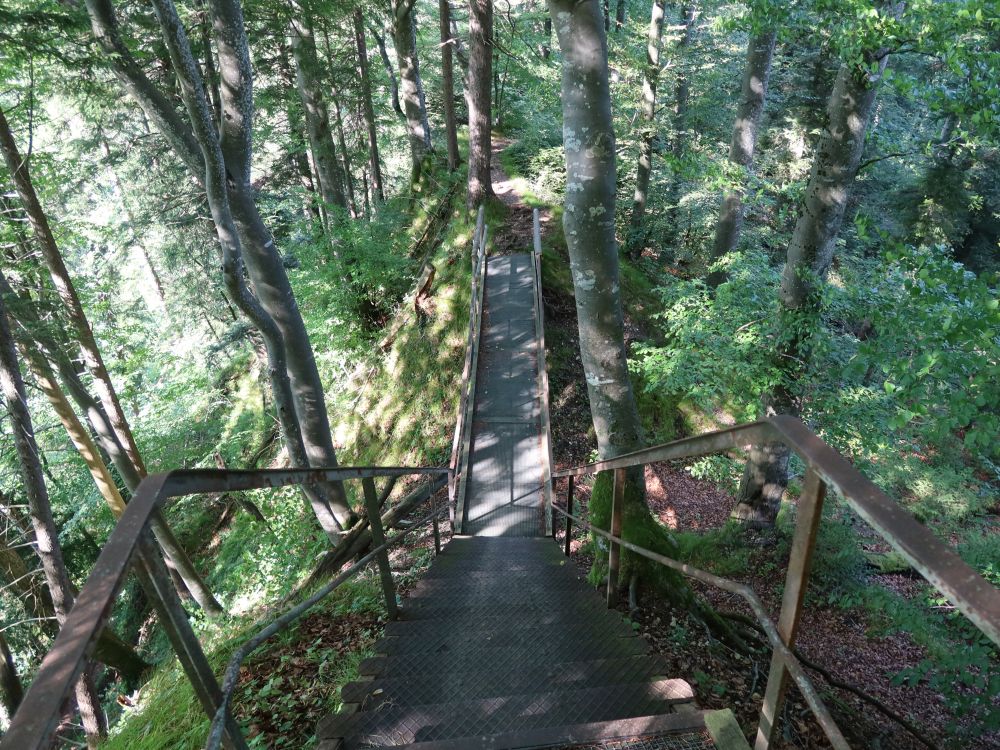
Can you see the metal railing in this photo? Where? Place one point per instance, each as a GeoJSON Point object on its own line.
{"type": "Point", "coordinates": [35, 722]}
{"type": "Point", "coordinates": [462, 440]}
{"type": "Point", "coordinates": [543, 375]}
{"type": "Point", "coordinates": [973, 595]}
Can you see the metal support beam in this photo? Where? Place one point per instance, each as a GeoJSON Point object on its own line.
{"type": "Point", "coordinates": [378, 539]}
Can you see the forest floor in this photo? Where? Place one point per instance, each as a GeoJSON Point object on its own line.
{"type": "Point", "coordinates": [841, 640]}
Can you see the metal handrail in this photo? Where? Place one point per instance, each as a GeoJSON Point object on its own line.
{"type": "Point", "coordinates": [38, 715]}
{"type": "Point", "coordinates": [462, 440]}
{"type": "Point", "coordinates": [770, 629]}
{"type": "Point", "coordinates": [972, 594]}
{"type": "Point", "coordinates": [543, 374]}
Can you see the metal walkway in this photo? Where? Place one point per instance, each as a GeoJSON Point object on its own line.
{"type": "Point", "coordinates": [506, 467]}
{"type": "Point", "coordinates": [502, 644]}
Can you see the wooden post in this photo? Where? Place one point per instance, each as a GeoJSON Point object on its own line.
{"type": "Point", "coordinates": [378, 539]}
{"type": "Point", "coordinates": [614, 551]}
{"type": "Point", "coordinates": [810, 512]}
{"type": "Point", "coordinates": [569, 509]}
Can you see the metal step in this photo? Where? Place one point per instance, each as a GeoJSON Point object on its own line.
{"type": "Point", "coordinates": [394, 726]}
{"type": "Point", "coordinates": [448, 639]}
{"type": "Point", "coordinates": [500, 658]}
{"type": "Point", "coordinates": [473, 684]}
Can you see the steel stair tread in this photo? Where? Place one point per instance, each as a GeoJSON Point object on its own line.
{"type": "Point", "coordinates": [500, 657]}
{"type": "Point", "coordinates": [471, 685]}
{"type": "Point", "coordinates": [401, 725]}
{"type": "Point", "coordinates": [549, 619]}
{"type": "Point", "coordinates": [449, 641]}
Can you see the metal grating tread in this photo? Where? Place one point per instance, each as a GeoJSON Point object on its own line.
{"type": "Point", "coordinates": [500, 658]}
{"type": "Point", "coordinates": [473, 684]}
{"type": "Point", "coordinates": [447, 639]}
{"type": "Point", "coordinates": [549, 619]}
{"type": "Point", "coordinates": [401, 725]}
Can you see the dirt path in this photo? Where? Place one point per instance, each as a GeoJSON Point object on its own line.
{"type": "Point", "coordinates": [515, 235]}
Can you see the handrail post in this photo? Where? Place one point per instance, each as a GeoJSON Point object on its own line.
{"type": "Point", "coordinates": [184, 641]}
{"type": "Point", "coordinates": [378, 539]}
{"type": "Point", "coordinates": [807, 520]}
{"type": "Point", "coordinates": [569, 510]}
{"type": "Point", "coordinates": [614, 549]}
{"type": "Point", "coordinates": [434, 523]}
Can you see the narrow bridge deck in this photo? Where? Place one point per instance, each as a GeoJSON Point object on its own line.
{"type": "Point", "coordinates": [506, 460]}
{"type": "Point", "coordinates": [502, 644]}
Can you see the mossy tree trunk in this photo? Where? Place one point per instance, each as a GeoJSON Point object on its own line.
{"type": "Point", "coordinates": [478, 98]}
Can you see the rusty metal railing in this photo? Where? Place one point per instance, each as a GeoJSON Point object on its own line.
{"type": "Point", "coordinates": [35, 722]}
{"type": "Point", "coordinates": [462, 440]}
{"type": "Point", "coordinates": [543, 375]}
{"type": "Point", "coordinates": [972, 594]}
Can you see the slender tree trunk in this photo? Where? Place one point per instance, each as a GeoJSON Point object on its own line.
{"type": "Point", "coordinates": [689, 14]}
{"type": "Point", "coordinates": [589, 223]}
{"type": "Point", "coordinates": [309, 79]}
{"type": "Point", "coordinates": [346, 156]}
{"type": "Point", "coordinates": [753, 96]}
{"type": "Point", "coordinates": [448, 84]}
{"type": "Point", "coordinates": [44, 527]}
{"type": "Point", "coordinates": [810, 254]}
{"type": "Point", "coordinates": [92, 355]}
{"type": "Point", "coordinates": [404, 34]}
{"type": "Point", "coordinates": [647, 133]}
{"type": "Point", "coordinates": [11, 691]}
{"type": "Point", "coordinates": [621, 13]}
{"type": "Point", "coordinates": [390, 73]}
{"type": "Point", "coordinates": [477, 97]}
{"type": "Point", "coordinates": [211, 74]}
{"type": "Point", "coordinates": [374, 161]}
{"type": "Point", "coordinates": [227, 220]}
{"type": "Point", "coordinates": [546, 38]}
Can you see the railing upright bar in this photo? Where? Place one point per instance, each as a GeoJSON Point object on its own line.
{"type": "Point", "coordinates": [378, 540]}
{"type": "Point", "coordinates": [434, 523]}
{"type": "Point", "coordinates": [614, 549]}
{"type": "Point", "coordinates": [569, 510]}
{"type": "Point", "coordinates": [808, 517]}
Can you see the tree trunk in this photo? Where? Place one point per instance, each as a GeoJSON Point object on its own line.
{"type": "Point", "coordinates": [11, 691]}
{"type": "Point", "coordinates": [211, 74]}
{"type": "Point", "coordinates": [404, 35]}
{"type": "Point", "coordinates": [621, 13]}
{"type": "Point", "coordinates": [45, 240]}
{"type": "Point", "coordinates": [283, 342]}
{"type": "Point", "coordinates": [374, 162]}
{"type": "Point", "coordinates": [810, 253]}
{"type": "Point", "coordinates": [753, 96]}
{"type": "Point", "coordinates": [390, 73]}
{"type": "Point", "coordinates": [352, 202]}
{"type": "Point", "coordinates": [448, 84]}
{"type": "Point", "coordinates": [308, 78]}
{"type": "Point", "coordinates": [682, 91]}
{"type": "Point", "coordinates": [477, 97]}
{"type": "Point", "coordinates": [546, 38]}
{"type": "Point", "coordinates": [44, 527]}
{"type": "Point", "coordinates": [589, 223]}
{"type": "Point", "coordinates": [647, 133]}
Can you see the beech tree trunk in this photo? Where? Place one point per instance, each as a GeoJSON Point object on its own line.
{"type": "Point", "coordinates": [478, 94]}
{"type": "Point", "coordinates": [309, 79]}
{"type": "Point", "coordinates": [647, 132]}
{"type": "Point", "coordinates": [621, 13]}
{"type": "Point", "coordinates": [93, 360]}
{"type": "Point", "coordinates": [682, 91]}
{"type": "Point", "coordinates": [374, 161]}
{"type": "Point", "coordinates": [810, 253]}
{"type": "Point", "coordinates": [404, 36]}
{"type": "Point", "coordinates": [11, 691]}
{"type": "Point", "coordinates": [589, 223]}
{"type": "Point", "coordinates": [352, 202]}
{"type": "Point", "coordinates": [390, 73]}
{"type": "Point", "coordinates": [263, 260]}
{"type": "Point", "coordinates": [448, 84]}
{"type": "Point", "coordinates": [44, 527]}
{"type": "Point", "coordinates": [753, 96]}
